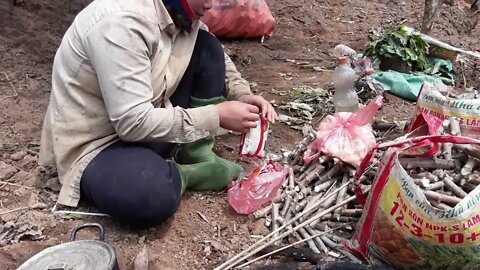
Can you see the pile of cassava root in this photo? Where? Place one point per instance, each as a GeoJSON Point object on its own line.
{"type": "Point", "coordinates": [319, 198]}
{"type": "Point", "coordinates": [448, 177]}
{"type": "Point", "coordinates": [307, 198]}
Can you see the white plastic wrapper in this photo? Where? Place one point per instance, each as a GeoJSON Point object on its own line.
{"type": "Point", "coordinates": [253, 142]}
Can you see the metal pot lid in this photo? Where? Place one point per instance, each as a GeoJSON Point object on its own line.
{"type": "Point", "coordinates": [75, 255]}
{"type": "Point", "coordinates": [78, 255]}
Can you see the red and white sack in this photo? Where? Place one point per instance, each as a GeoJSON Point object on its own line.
{"type": "Point", "coordinates": [433, 102]}
{"type": "Point", "coordinates": [240, 19]}
{"type": "Point", "coordinates": [399, 226]}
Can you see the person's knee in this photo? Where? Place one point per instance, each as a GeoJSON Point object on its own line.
{"type": "Point", "coordinates": [160, 207]}
{"type": "Point", "coordinates": [210, 44]}
{"type": "Point", "coordinates": [133, 185]}
{"type": "Point", "coordinates": [152, 207]}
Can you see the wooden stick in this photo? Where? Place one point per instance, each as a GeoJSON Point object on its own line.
{"type": "Point", "coordinates": [469, 166]}
{"type": "Point", "coordinates": [335, 169]}
{"type": "Point", "coordinates": [33, 207]}
{"type": "Point", "coordinates": [427, 163]}
{"type": "Point", "coordinates": [245, 253]}
{"type": "Point", "coordinates": [280, 197]}
{"type": "Point", "coordinates": [336, 238]}
{"type": "Point", "coordinates": [65, 212]}
{"type": "Point", "coordinates": [301, 225]}
{"type": "Point", "coordinates": [469, 149]}
{"type": "Point", "coordinates": [300, 206]}
{"type": "Point", "coordinates": [352, 212]}
{"type": "Point", "coordinates": [344, 219]}
{"type": "Point", "coordinates": [317, 240]}
{"type": "Point", "coordinates": [328, 203]}
{"type": "Point", "coordinates": [286, 206]}
{"type": "Point", "coordinates": [274, 216]}
{"type": "Point", "coordinates": [310, 242]}
{"type": "Point", "coordinates": [289, 246]}
{"type": "Point", "coordinates": [341, 195]}
{"type": "Point", "coordinates": [438, 197]}
{"type": "Point", "coordinates": [304, 171]}
{"type": "Point", "coordinates": [383, 126]}
{"type": "Point", "coordinates": [319, 169]}
{"type": "Point", "coordinates": [440, 173]}
{"type": "Point", "coordinates": [335, 246]}
{"type": "Point", "coordinates": [468, 187]}
{"type": "Point", "coordinates": [320, 196]}
{"type": "Point", "coordinates": [447, 151]}
{"type": "Point", "coordinates": [325, 185]}
{"type": "Point", "coordinates": [435, 186]}
{"type": "Point", "coordinates": [313, 199]}
{"type": "Point", "coordinates": [454, 188]}
{"type": "Point", "coordinates": [289, 213]}
{"type": "Point", "coordinates": [422, 182]}
{"type": "Point", "coordinates": [326, 224]}
{"type": "Point", "coordinates": [427, 175]}
{"type": "Point", "coordinates": [447, 147]}
{"type": "Point", "coordinates": [262, 212]}
{"type": "Point", "coordinates": [291, 178]}
{"type": "Point", "coordinates": [455, 127]}
{"type": "Point", "coordinates": [15, 210]}
{"type": "Point", "coordinates": [15, 185]}
{"type": "Point", "coordinates": [440, 206]}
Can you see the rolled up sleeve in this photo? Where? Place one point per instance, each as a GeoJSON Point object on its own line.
{"type": "Point", "coordinates": [120, 49]}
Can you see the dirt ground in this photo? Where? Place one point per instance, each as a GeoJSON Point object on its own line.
{"type": "Point", "coordinates": [205, 231]}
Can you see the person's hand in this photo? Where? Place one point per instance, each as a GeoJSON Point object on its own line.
{"type": "Point", "coordinates": [267, 110]}
{"type": "Point", "coordinates": [238, 116]}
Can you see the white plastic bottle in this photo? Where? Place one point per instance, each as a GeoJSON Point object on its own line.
{"type": "Point", "coordinates": [345, 97]}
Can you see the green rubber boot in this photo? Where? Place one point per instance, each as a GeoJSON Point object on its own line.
{"type": "Point", "coordinates": [200, 168]}
{"type": "Point", "coordinates": [207, 175]}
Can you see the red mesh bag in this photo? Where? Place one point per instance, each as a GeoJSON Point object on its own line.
{"type": "Point", "coordinates": [240, 19]}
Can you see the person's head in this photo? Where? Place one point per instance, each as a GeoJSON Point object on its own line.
{"type": "Point", "coordinates": [199, 7]}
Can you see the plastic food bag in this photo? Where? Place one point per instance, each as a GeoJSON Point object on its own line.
{"type": "Point", "coordinates": [363, 67]}
{"type": "Point", "coordinates": [400, 227]}
{"type": "Point", "coordinates": [346, 136]}
{"type": "Point", "coordinates": [240, 19]}
{"type": "Point", "coordinates": [247, 196]}
{"type": "Point", "coordinates": [253, 142]}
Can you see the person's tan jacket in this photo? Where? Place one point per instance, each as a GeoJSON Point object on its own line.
{"type": "Point", "coordinates": [113, 74]}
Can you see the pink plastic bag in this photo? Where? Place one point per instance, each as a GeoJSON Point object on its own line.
{"type": "Point", "coordinates": [247, 196]}
{"type": "Point", "coordinates": [240, 19]}
{"type": "Point", "coordinates": [363, 67]}
{"type": "Point", "coordinates": [346, 136]}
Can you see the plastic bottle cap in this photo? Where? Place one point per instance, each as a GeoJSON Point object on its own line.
{"type": "Point", "coordinates": [343, 60]}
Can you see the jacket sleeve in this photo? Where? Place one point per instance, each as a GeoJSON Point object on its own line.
{"type": "Point", "coordinates": [119, 48]}
{"type": "Point", "coordinates": [236, 85]}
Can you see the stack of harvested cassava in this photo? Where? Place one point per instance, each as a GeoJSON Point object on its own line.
{"type": "Point", "coordinates": [322, 190]}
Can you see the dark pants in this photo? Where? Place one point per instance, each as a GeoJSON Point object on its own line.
{"type": "Point", "coordinates": [137, 185]}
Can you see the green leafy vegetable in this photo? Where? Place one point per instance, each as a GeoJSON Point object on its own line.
{"type": "Point", "coordinates": [397, 43]}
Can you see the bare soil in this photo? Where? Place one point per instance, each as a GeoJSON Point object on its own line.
{"type": "Point", "coordinates": [205, 231]}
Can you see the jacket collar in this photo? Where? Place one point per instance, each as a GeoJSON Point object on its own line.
{"type": "Point", "coordinates": [182, 20]}
{"type": "Point", "coordinates": [164, 18]}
